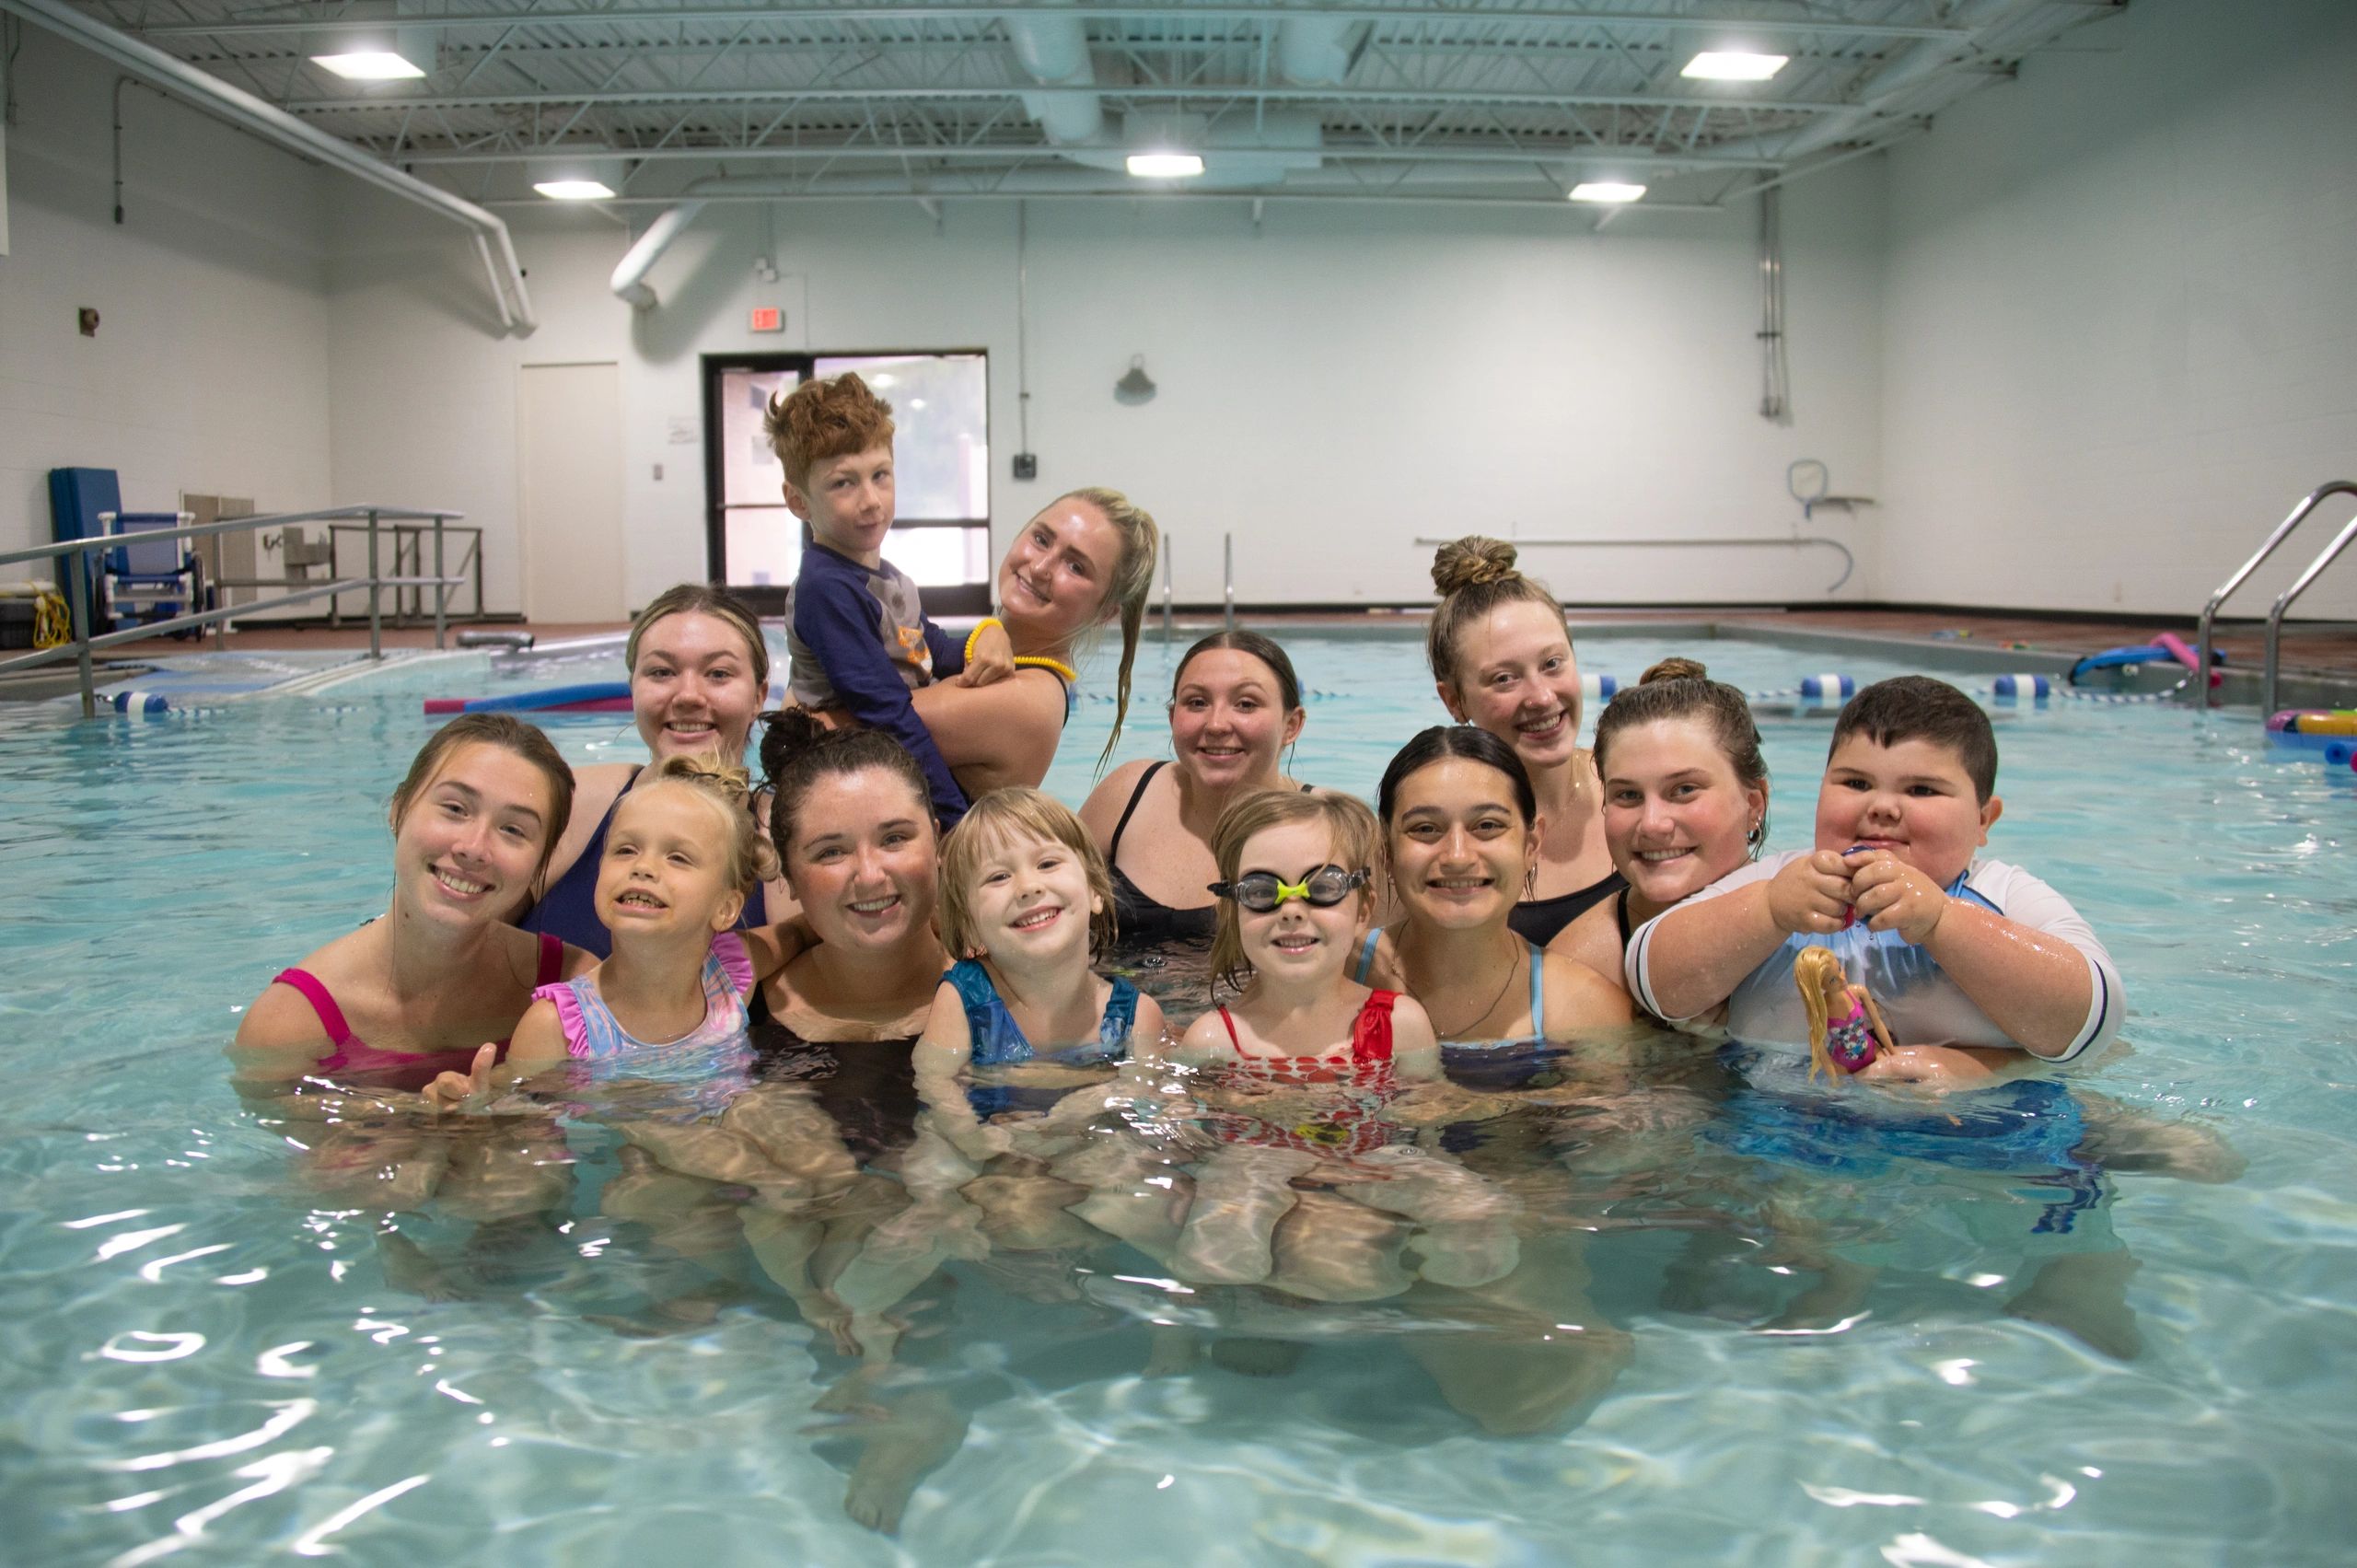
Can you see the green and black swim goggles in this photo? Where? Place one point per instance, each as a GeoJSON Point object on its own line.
{"type": "Point", "coordinates": [1261, 891]}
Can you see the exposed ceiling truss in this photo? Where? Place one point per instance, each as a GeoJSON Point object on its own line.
{"type": "Point", "coordinates": [1474, 101]}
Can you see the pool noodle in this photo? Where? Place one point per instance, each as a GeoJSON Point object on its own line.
{"type": "Point", "coordinates": [2340, 753]}
{"type": "Point", "coordinates": [2177, 649]}
{"type": "Point", "coordinates": [593, 697]}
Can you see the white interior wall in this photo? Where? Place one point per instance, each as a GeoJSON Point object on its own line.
{"type": "Point", "coordinates": [209, 372]}
{"type": "Point", "coordinates": [2117, 333]}
{"type": "Point", "coordinates": [1332, 385]}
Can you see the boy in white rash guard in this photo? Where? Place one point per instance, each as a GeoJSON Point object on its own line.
{"type": "Point", "coordinates": [1963, 953]}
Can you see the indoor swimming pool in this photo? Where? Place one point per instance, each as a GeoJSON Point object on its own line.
{"type": "Point", "coordinates": [202, 1359]}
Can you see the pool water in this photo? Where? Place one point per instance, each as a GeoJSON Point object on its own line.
{"type": "Point", "coordinates": [202, 1357]}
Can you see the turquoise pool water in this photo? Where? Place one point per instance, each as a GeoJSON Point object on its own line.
{"type": "Point", "coordinates": [201, 1359]}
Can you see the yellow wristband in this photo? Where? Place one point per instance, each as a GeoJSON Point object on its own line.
{"type": "Point", "coordinates": [976, 635]}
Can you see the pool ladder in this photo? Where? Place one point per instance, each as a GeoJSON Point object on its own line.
{"type": "Point", "coordinates": [2274, 665]}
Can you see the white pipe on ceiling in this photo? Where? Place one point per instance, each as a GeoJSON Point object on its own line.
{"type": "Point", "coordinates": [1318, 51]}
{"type": "Point", "coordinates": [250, 113]}
{"type": "Point", "coordinates": [629, 278]}
{"type": "Point", "coordinates": [1054, 50]}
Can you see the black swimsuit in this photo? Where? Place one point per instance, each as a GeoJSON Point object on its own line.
{"type": "Point", "coordinates": [868, 1087]}
{"type": "Point", "coordinates": [1143, 921]}
{"type": "Point", "coordinates": [1536, 920]}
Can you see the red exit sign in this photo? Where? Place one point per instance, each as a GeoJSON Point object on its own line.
{"type": "Point", "coordinates": [769, 318]}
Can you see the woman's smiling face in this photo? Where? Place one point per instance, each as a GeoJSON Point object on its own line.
{"type": "Point", "coordinates": [473, 840]}
{"type": "Point", "coordinates": [1676, 816]}
{"type": "Point", "coordinates": [1516, 678]}
{"type": "Point", "coordinates": [1228, 722]}
{"type": "Point", "coordinates": [1058, 574]}
{"type": "Point", "coordinates": [1462, 854]}
{"type": "Point", "coordinates": [863, 859]}
{"type": "Point", "coordinates": [692, 689]}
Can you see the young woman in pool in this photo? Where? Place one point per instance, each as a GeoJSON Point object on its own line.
{"type": "Point", "coordinates": [1502, 657]}
{"type": "Point", "coordinates": [420, 989]}
{"type": "Point", "coordinates": [1685, 801]}
{"type": "Point", "coordinates": [1235, 706]}
{"type": "Point", "coordinates": [1085, 560]}
{"type": "Point", "coordinates": [699, 671]}
{"type": "Point", "coordinates": [1461, 832]}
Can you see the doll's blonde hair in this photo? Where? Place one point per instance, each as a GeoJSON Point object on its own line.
{"type": "Point", "coordinates": [1817, 971]}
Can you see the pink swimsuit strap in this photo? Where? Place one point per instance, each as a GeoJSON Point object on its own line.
{"type": "Point", "coordinates": [354, 1054]}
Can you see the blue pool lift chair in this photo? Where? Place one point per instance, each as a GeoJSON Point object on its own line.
{"type": "Point", "coordinates": [149, 579]}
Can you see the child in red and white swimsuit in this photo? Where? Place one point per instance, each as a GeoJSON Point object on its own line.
{"type": "Point", "coordinates": [1309, 1059]}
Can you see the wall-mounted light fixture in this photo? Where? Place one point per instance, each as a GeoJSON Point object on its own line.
{"type": "Point", "coordinates": [1135, 386]}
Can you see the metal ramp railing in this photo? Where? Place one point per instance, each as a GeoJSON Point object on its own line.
{"type": "Point", "coordinates": [2315, 498]}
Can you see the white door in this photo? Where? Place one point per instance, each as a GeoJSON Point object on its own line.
{"type": "Point", "coordinates": [570, 475]}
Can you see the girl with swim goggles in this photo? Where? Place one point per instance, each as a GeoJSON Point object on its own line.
{"type": "Point", "coordinates": [1310, 1057]}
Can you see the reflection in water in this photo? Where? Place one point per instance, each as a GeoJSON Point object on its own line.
{"type": "Point", "coordinates": [1497, 1240]}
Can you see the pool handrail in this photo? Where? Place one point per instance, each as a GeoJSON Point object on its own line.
{"type": "Point", "coordinates": [77, 553]}
{"type": "Point", "coordinates": [1848, 562]}
{"type": "Point", "coordinates": [2202, 640]}
{"type": "Point", "coordinates": [2274, 667]}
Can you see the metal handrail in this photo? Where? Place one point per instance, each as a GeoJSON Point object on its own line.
{"type": "Point", "coordinates": [1848, 562]}
{"type": "Point", "coordinates": [77, 553]}
{"type": "Point", "coordinates": [1227, 555]}
{"type": "Point", "coordinates": [2209, 612]}
{"type": "Point", "coordinates": [2275, 616]}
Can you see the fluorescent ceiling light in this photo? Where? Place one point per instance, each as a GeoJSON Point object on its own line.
{"type": "Point", "coordinates": [1165, 166]}
{"type": "Point", "coordinates": [370, 65]}
{"type": "Point", "coordinates": [574, 190]}
{"type": "Point", "coordinates": [1605, 191]}
{"type": "Point", "coordinates": [1733, 65]}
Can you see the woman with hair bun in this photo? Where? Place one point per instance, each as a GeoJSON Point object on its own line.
{"type": "Point", "coordinates": [1502, 659]}
{"type": "Point", "coordinates": [1685, 795]}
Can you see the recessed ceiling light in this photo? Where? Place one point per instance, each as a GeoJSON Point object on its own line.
{"type": "Point", "coordinates": [1165, 166]}
{"type": "Point", "coordinates": [370, 65]}
{"type": "Point", "coordinates": [1733, 65]}
{"type": "Point", "coordinates": [1605, 191]}
{"type": "Point", "coordinates": [574, 190]}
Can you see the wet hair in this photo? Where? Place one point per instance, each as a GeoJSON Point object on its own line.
{"type": "Point", "coordinates": [1258, 646]}
{"type": "Point", "coordinates": [701, 598]}
{"type": "Point", "coordinates": [997, 819]}
{"type": "Point", "coordinates": [1917, 707]}
{"type": "Point", "coordinates": [1474, 576]}
{"type": "Point", "coordinates": [1125, 596]}
{"type": "Point", "coordinates": [726, 786]}
{"type": "Point", "coordinates": [1442, 741]}
{"type": "Point", "coordinates": [1682, 689]}
{"type": "Point", "coordinates": [797, 751]}
{"type": "Point", "coordinates": [1350, 827]}
{"type": "Point", "coordinates": [510, 734]}
{"type": "Point", "coordinates": [827, 417]}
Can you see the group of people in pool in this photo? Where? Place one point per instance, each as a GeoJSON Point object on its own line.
{"type": "Point", "coordinates": [906, 1044]}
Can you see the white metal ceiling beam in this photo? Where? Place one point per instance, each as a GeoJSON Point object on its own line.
{"type": "Point", "coordinates": [944, 92]}
{"type": "Point", "coordinates": [1744, 21]}
{"type": "Point", "coordinates": [1524, 153]}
